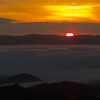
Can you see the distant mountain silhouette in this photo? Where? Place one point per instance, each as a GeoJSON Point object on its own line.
{"type": "Point", "coordinates": [33, 39]}
{"type": "Point", "coordinates": [21, 78]}
{"type": "Point", "coordinates": [24, 77]}
{"type": "Point", "coordinates": [2, 79]}
{"type": "Point", "coordinates": [94, 82]}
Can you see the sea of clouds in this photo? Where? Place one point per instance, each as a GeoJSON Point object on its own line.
{"type": "Point", "coordinates": [52, 62]}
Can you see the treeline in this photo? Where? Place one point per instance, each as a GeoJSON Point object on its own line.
{"type": "Point", "coordinates": [54, 91]}
{"type": "Point", "coordinates": [49, 40]}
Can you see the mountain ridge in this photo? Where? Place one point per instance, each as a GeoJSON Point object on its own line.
{"type": "Point", "coordinates": [21, 78]}
{"type": "Point", "coordinates": [35, 39]}
{"type": "Point", "coordinates": [64, 90]}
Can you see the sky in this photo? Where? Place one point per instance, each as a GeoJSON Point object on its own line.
{"type": "Point", "coordinates": [26, 13]}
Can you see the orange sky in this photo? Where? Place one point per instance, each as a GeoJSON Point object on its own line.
{"type": "Point", "coordinates": [51, 10]}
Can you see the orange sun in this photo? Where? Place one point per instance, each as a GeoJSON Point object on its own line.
{"type": "Point", "coordinates": [69, 34]}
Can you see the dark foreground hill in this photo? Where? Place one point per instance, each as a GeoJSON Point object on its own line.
{"type": "Point", "coordinates": [21, 78]}
{"type": "Point", "coordinates": [49, 40]}
{"type": "Point", "coordinates": [55, 91]}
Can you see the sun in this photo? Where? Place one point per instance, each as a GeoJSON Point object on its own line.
{"type": "Point", "coordinates": [69, 34]}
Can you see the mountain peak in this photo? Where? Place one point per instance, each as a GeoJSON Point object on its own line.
{"type": "Point", "coordinates": [23, 77]}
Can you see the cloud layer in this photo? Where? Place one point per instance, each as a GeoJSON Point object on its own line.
{"type": "Point", "coordinates": [51, 63]}
{"type": "Point", "coordinates": [6, 27]}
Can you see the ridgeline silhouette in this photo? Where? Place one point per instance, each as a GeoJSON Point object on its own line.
{"type": "Point", "coordinates": [34, 39]}
{"type": "Point", "coordinates": [55, 91]}
{"type": "Point", "coordinates": [21, 78]}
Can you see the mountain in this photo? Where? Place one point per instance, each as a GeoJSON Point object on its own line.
{"type": "Point", "coordinates": [2, 79]}
{"type": "Point", "coordinates": [34, 39]}
{"type": "Point", "coordinates": [51, 91]}
{"type": "Point", "coordinates": [21, 78]}
{"type": "Point", "coordinates": [94, 83]}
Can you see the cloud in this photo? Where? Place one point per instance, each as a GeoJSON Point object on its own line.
{"type": "Point", "coordinates": [51, 62]}
{"type": "Point", "coordinates": [5, 20]}
{"type": "Point", "coordinates": [50, 10]}
{"type": "Point", "coordinates": [95, 12]}
{"type": "Point", "coordinates": [45, 27]}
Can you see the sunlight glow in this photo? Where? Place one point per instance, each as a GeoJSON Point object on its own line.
{"type": "Point", "coordinates": [70, 12]}
{"type": "Point", "coordinates": [69, 34]}
{"type": "Point", "coordinates": [50, 10]}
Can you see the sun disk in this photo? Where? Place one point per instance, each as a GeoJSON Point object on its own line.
{"type": "Point", "coordinates": [69, 34]}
